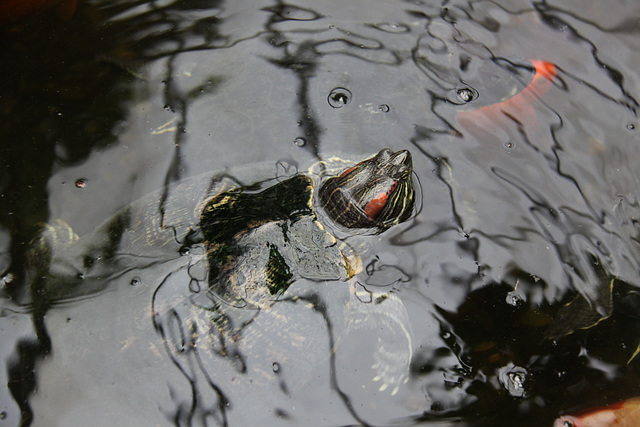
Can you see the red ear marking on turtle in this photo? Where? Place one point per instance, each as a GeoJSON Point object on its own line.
{"type": "Point", "coordinates": [376, 204]}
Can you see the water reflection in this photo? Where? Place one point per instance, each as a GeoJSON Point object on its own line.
{"type": "Point", "coordinates": [498, 347]}
{"type": "Point", "coordinates": [510, 295]}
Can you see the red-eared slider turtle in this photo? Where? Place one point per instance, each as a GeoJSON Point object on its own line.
{"type": "Point", "coordinates": [247, 246]}
{"type": "Point", "coordinates": [258, 243]}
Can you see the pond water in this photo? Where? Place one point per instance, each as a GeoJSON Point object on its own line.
{"type": "Point", "coordinates": [509, 297]}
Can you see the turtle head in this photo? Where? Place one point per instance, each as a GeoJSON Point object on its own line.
{"type": "Point", "coordinates": [375, 193]}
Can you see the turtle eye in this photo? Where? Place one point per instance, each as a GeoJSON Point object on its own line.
{"type": "Point", "coordinates": [402, 172]}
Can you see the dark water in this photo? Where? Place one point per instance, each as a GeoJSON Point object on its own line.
{"type": "Point", "coordinates": [521, 212]}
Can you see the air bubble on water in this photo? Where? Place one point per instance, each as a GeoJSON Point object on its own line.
{"type": "Point", "coordinates": [339, 97]}
{"type": "Point", "coordinates": [384, 108]}
{"type": "Point", "coordinates": [185, 251]}
{"type": "Point", "coordinates": [81, 183]}
{"type": "Point", "coordinates": [136, 281]}
{"type": "Point", "coordinates": [3, 415]}
{"type": "Point", "coordinates": [509, 145]}
{"type": "Point", "coordinates": [466, 94]}
{"type": "Point", "coordinates": [275, 367]}
{"type": "Point", "coordinates": [514, 299]}
{"type": "Point", "coordinates": [631, 126]}
{"type": "Point", "coordinates": [513, 379]}
{"type": "Point", "coordinates": [300, 142]}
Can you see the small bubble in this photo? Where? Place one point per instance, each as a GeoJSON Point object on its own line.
{"type": "Point", "coordinates": [631, 126]}
{"type": "Point", "coordinates": [169, 108]}
{"type": "Point", "coordinates": [332, 27]}
{"type": "Point", "coordinates": [81, 183]}
{"type": "Point", "coordinates": [136, 281]}
{"type": "Point", "coordinates": [509, 145]}
{"type": "Point", "coordinates": [466, 94]}
{"type": "Point", "coordinates": [185, 251]}
{"type": "Point", "coordinates": [276, 367]}
{"type": "Point", "coordinates": [80, 276]}
{"type": "Point", "coordinates": [3, 415]}
{"type": "Point", "coordinates": [339, 97]}
{"type": "Point", "coordinates": [513, 379]}
{"type": "Point", "coordinates": [300, 142]}
{"type": "Point", "coordinates": [514, 299]}
{"type": "Point", "coordinates": [384, 108]}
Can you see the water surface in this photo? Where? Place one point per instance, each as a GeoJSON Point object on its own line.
{"type": "Point", "coordinates": [522, 211]}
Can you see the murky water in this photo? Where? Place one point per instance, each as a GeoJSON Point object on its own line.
{"type": "Point", "coordinates": [510, 297]}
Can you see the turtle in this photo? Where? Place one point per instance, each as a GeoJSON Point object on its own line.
{"type": "Point", "coordinates": [248, 245]}
{"type": "Point", "coordinates": [257, 244]}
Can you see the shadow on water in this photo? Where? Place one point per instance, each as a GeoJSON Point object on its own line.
{"type": "Point", "coordinates": [48, 72]}
{"type": "Point", "coordinates": [511, 369]}
{"type": "Point", "coordinates": [71, 94]}
{"type": "Point", "coordinates": [510, 294]}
